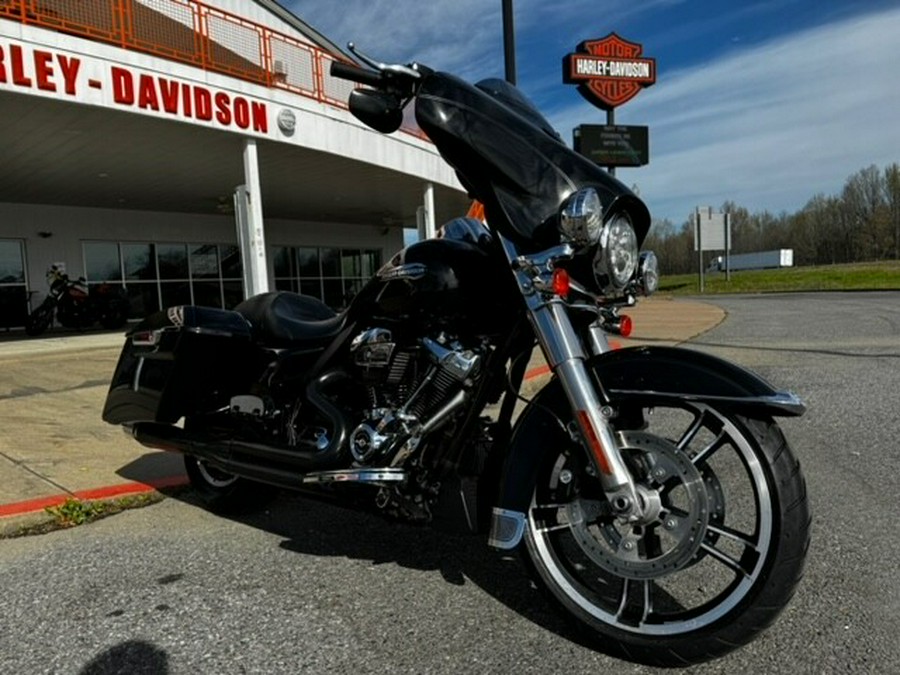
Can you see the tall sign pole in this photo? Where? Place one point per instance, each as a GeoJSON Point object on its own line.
{"type": "Point", "coordinates": [509, 41]}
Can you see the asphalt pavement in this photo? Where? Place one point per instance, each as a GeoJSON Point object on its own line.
{"type": "Point", "coordinates": [54, 446]}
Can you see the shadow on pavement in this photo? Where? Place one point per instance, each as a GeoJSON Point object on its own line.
{"type": "Point", "coordinates": [315, 528]}
{"type": "Point", "coordinates": [133, 656]}
{"type": "Point", "coordinates": [154, 467]}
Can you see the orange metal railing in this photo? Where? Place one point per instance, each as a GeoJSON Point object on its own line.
{"type": "Point", "coordinates": [192, 32]}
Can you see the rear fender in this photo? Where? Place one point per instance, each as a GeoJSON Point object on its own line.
{"type": "Point", "coordinates": [645, 374]}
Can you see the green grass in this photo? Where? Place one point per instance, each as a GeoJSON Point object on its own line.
{"type": "Point", "coordinates": [852, 277]}
{"type": "Point", "coordinates": [74, 512]}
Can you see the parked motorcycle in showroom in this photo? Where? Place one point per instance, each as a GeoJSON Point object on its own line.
{"type": "Point", "coordinates": [649, 490]}
{"type": "Point", "coordinates": [77, 306]}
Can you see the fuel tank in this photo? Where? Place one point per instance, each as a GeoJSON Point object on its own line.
{"type": "Point", "coordinates": [442, 283]}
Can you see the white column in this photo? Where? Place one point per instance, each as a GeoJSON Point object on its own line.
{"type": "Point", "coordinates": [249, 221]}
{"type": "Point", "coordinates": [430, 229]}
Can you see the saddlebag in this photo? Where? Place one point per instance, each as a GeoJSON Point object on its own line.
{"type": "Point", "coordinates": [180, 362]}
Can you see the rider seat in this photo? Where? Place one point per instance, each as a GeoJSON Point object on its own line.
{"type": "Point", "coordinates": [285, 319]}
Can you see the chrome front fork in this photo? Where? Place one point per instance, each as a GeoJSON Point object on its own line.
{"type": "Point", "coordinates": [565, 354]}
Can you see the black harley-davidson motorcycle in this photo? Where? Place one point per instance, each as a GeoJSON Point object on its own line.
{"type": "Point", "coordinates": [77, 306]}
{"type": "Point", "coordinates": [648, 489]}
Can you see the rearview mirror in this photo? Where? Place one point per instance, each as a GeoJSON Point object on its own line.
{"type": "Point", "coordinates": [376, 109]}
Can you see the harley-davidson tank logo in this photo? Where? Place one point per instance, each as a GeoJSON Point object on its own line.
{"type": "Point", "coordinates": [407, 271]}
{"type": "Point", "coordinates": [609, 72]}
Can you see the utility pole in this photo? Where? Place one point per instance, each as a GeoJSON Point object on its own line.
{"type": "Point", "coordinates": [509, 41]}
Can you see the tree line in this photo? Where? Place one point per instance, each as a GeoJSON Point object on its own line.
{"type": "Point", "coordinates": [860, 224]}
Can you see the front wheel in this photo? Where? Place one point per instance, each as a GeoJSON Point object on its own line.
{"type": "Point", "coordinates": [716, 557]}
{"type": "Point", "coordinates": [39, 320]}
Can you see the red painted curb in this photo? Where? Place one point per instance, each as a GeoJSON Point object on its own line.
{"type": "Point", "coordinates": [537, 372]}
{"type": "Point", "coordinates": [32, 505]}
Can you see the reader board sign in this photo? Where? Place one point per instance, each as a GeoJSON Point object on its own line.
{"type": "Point", "coordinates": [613, 144]}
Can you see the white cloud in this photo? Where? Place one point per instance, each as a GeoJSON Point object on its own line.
{"type": "Point", "coordinates": [456, 36]}
{"type": "Point", "coordinates": [772, 126]}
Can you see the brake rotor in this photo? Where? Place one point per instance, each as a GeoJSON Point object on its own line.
{"type": "Point", "coordinates": [677, 511]}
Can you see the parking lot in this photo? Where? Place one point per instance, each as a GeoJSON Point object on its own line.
{"type": "Point", "coordinates": [307, 587]}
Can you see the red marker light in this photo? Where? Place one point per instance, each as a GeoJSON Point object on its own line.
{"type": "Point", "coordinates": [561, 283]}
{"type": "Point", "coordinates": [625, 325]}
{"type": "Point", "coordinates": [593, 440]}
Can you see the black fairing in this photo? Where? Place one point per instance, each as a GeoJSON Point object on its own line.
{"type": "Point", "coordinates": [509, 158]}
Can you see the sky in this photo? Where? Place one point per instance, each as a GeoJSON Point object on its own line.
{"type": "Point", "coordinates": [765, 103]}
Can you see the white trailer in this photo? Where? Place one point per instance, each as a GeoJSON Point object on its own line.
{"type": "Point", "coordinates": [783, 257]}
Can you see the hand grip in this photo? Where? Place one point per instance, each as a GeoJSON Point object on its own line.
{"type": "Point", "coordinates": [345, 71]}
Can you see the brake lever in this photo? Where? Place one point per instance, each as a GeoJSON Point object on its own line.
{"type": "Point", "coordinates": [395, 69]}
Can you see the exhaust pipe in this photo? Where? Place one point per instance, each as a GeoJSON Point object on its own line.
{"type": "Point", "coordinates": [244, 457]}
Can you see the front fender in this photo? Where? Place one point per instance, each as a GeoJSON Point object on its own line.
{"type": "Point", "coordinates": [668, 373]}
{"type": "Point", "coordinates": [646, 374]}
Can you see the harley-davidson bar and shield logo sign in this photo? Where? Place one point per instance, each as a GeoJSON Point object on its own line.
{"type": "Point", "coordinates": [609, 72]}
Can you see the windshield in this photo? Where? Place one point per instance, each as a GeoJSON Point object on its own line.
{"type": "Point", "coordinates": [509, 157]}
{"type": "Point", "coordinates": [507, 94]}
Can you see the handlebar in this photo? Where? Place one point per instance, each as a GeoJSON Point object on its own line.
{"type": "Point", "coordinates": [345, 71]}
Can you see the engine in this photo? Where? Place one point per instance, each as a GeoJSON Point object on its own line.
{"type": "Point", "coordinates": [413, 389]}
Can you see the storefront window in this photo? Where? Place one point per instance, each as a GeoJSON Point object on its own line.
{"type": "Point", "coordinates": [164, 275]}
{"type": "Point", "coordinates": [172, 260]}
{"type": "Point", "coordinates": [12, 264]}
{"type": "Point", "coordinates": [143, 299]}
{"type": "Point", "coordinates": [204, 261]}
{"type": "Point", "coordinates": [283, 262]}
{"type": "Point", "coordinates": [308, 262]}
{"type": "Point", "coordinates": [333, 275]}
{"type": "Point", "coordinates": [102, 261]}
{"type": "Point", "coordinates": [139, 261]}
{"type": "Point", "coordinates": [13, 289]}
{"type": "Point", "coordinates": [331, 262]}
{"type": "Point", "coordinates": [231, 262]}
{"type": "Point", "coordinates": [232, 293]}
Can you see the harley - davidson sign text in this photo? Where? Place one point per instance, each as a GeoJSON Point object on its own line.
{"type": "Point", "coordinates": [609, 72]}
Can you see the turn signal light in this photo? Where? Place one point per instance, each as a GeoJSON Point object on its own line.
{"type": "Point", "coordinates": [561, 283]}
{"type": "Point", "coordinates": [621, 325]}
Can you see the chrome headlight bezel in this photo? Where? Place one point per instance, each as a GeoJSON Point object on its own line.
{"type": "Point", "coordinates": [581, 218]}
{"type": "Point", "coordinates": [616, 260]}
{"type": "Point", "coordinates": [648, 273]}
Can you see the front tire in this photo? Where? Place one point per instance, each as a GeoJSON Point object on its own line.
{"type": "Point", "coordinates": [713, 564]}
{"type": "Point", "coordinates": [223, 492]}
{"type": "Point", "coordinates": [39, 320]}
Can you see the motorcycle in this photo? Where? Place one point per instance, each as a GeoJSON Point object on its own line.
{"type": "Point", "coordinates": [77, 306]}
{"type": "Point", "coordinates": [649, 490]}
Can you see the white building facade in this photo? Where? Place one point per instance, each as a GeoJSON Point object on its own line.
{"type": "Point", "coordinates": [193, 152]}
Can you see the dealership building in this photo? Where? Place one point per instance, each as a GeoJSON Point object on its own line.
{"type": "Point", "coordinates": [194, 152]}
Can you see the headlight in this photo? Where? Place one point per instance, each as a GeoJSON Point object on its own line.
{"type": "Point", "coordinates": [648, 273]}
{"type": "Point", "coordinates": [581, 218]}
{"type": "Point", "coordinates": [617, 256]}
